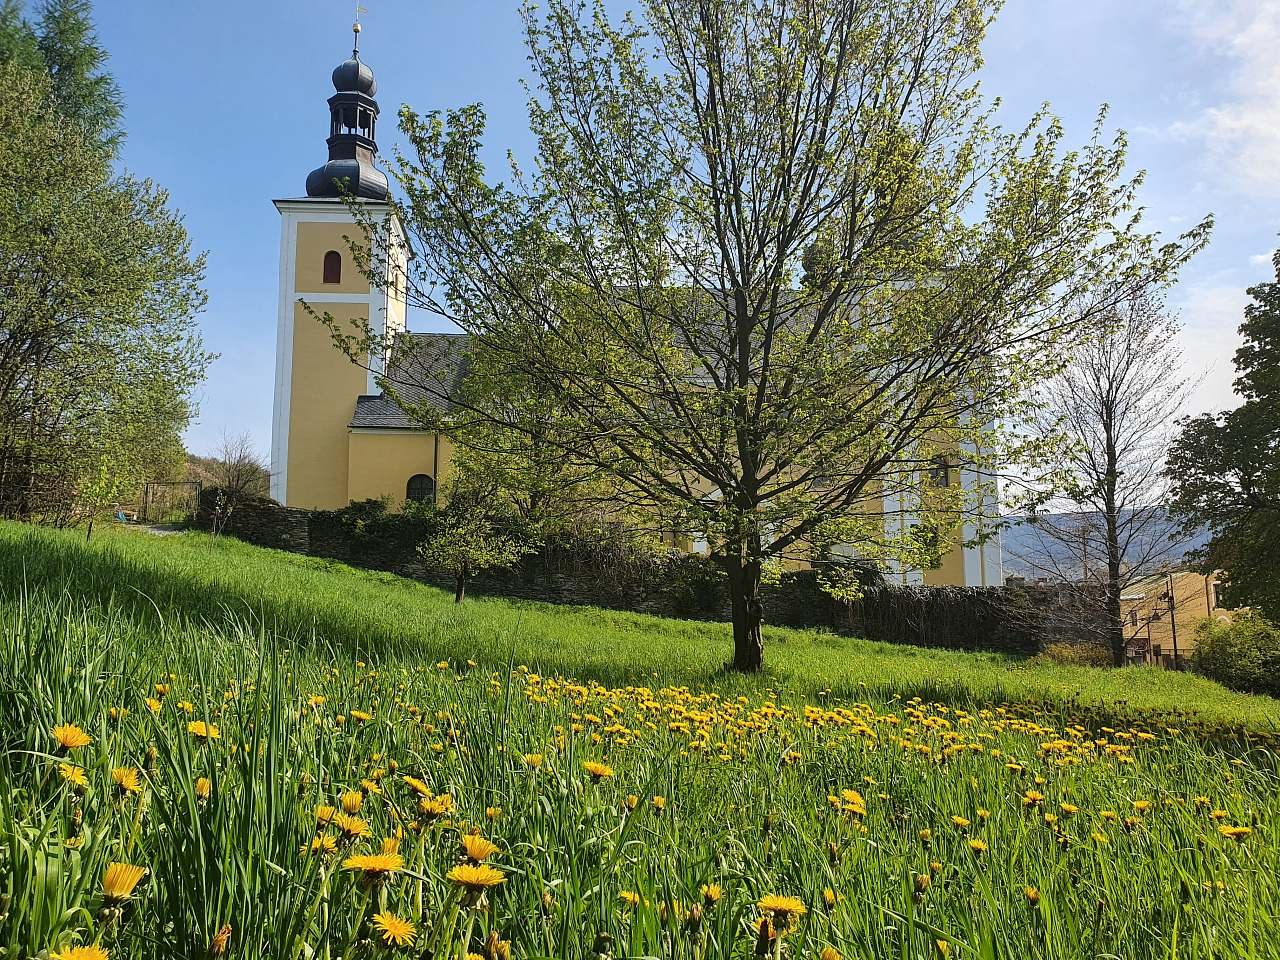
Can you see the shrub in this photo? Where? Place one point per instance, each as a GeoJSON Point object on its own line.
{"type": "Point", "coordinates": [1075, 655]}
{"type": "Point", "coordinates": [1243, 654]}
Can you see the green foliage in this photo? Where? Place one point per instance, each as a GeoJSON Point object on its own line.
{"type": "Point", "coordinates": [99, 290]}
{"type": "Point", "coordinates": [771, 262]}
{"type": "Point", "coordinates": [85, 93]}
{"type": "Point", "coordinates": [298, 599]}
{"type": "Point", "coordinates": [1116, 823]}
{"type": "Point", "coordinates": [1243, 654]}
{"type": "Point", "coordinates": [468, 542]}
{"type": "Point", "coordinates": [62, 45]}
{"type": "Point", "coordinates": [1225, 467]}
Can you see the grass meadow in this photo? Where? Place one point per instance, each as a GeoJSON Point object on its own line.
{"type": "Point", "coordinates": [212, 750]}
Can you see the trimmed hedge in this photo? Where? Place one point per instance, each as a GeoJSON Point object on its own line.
{"type": "Point", "coordinates": [1016, 619]}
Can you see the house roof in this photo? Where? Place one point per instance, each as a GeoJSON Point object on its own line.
{"type": "Point", "coordinates": [426, 369]}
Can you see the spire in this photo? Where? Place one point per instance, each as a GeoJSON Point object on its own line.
{"type": "Point", "coordinates": [353, 116]}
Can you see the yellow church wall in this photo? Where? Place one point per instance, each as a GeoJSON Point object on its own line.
{"type": "Point", "coordinates": [382, 461]}
{"type": "Point", "coordinates": [314, 241]}
{"type": "Point", "coordinates": [325, 385]}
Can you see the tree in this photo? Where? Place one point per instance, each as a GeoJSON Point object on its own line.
{"type": "Point", "coordinates": [1114, 405]}
{"type": "Point", "coordinates": [774, 260]}
{"type": "Point", "coordinates": [240, 474]}
{"type": "Point", "coordinates": [1225, 467]}
{"type": "Point", "coordinates": [468, 539]}
{"type": "Point", "coordinates": [99, 289]}
{"type": "Point", "coordinates": [63, 44]}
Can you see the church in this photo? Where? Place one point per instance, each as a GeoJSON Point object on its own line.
{"type": "Point", "coordinates": [336, 437]}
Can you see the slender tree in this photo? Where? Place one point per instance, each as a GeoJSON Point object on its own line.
{"type": "Point", "coordinates": [774, 260]}
{"type": "Point", "coordinates": [86, 93]}
{"type": "Point", "coordinates": [1114, 405]}
{"type": "Point", "coordinates": [1225, 467]}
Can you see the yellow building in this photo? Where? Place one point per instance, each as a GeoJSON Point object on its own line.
{"type": "Point", "coordinates": [1161, 614]}
{"type": "Point", "coordinates": [335, 437]}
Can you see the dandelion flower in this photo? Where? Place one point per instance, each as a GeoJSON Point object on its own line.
{"type": "Point", "coordinates": [978, 845]}
{"type": "Point", "coordinates": [629, 898]}
{"type": "Point", "coordinates": [711, 893]}
{"type": "Point", "coordinates": [375, 866]}
{"type": "Point", "coordinates": [417, 786]}
{"type": "Point", "coordinates": [1032, 895]}
{"type": "Point", "coordinates": [781, 907]}
{"type": "Point", "coordinates": [71, 737]}
{"type": "Point", "coordinates": [204, 787]}
{"type": "Point", "coordinates": [1238, 834]}
{"type": "Point", "coordinates": [533, 760]}
{"type": "Point", "coordinates": [218, 945]}
{"type": "Point", "coordinates": [598, 771]}
{"type": "Point", "coordinates": [351, 801]}
{"type": "Point", "coordinates": [119, 880]}
{"type": "Point", "coordinates": [91, 952]}
{"type": "Point", "coordinates": [203, 731]}
{"type": "Point", "coordinates": [73, 775]}
{"type": "Point", "coordinates": [477, 848]}
{"type": "Point", "coordinates": [320, 845]}
{"type": "Point", "coordinates": [475, 877]}
{"type": "Point", "coordinates": [436, 806]}
{"type": "Point", "coordinates": [325, 813]}
{"type": "Point", "coordinates": [830, 953]}
{"type": "Point", "coordinates": [394, 931]}
{"type": "Point", "coordinates": [127, 779]}
{"type": "Point", "coordinates": [351, 827]}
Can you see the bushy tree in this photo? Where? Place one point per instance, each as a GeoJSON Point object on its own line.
{"type": "Point", "coordinates": [1225, 467]}
{"type": "Point", "coordinates": [469, 536]}
{"type": "Point", "coordinates": [773, 261]}
{"type": "Point", "coordinates": [99, 290]}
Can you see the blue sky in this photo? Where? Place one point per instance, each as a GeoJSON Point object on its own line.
{"type": "Point", "coordinates": [226, 108]}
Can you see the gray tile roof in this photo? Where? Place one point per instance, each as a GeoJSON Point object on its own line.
{"type": "Point", "coordinates": [426, 369]}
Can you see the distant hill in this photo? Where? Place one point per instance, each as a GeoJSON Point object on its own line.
{"type": "Point", "coordinates": [1022, 544]}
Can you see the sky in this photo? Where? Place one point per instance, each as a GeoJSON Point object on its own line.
{"type": "Point", "coordinates": [225, 107]}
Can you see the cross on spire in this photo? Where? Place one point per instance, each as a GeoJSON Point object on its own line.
{"type": "Point", "coordinates": [355, 29]}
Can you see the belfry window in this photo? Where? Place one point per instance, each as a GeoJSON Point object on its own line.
{"type": "Point", "coordinates": [333, 267]}
{"type": "Point", "coordinates": [420, 488]}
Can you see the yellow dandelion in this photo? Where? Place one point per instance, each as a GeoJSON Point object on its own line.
{"type": "Point", "coordinates": [436, 806]}
{"type": "Point", "coordinates": [781, 907]}
{"type": "Point", "coordinates": [73, 775]}
{"type": "Point", "coordinates": [153, 704]}
{"type": "Point", "coordinates": [1032, 895]}
{"type": "Point", "coordinates": [1142, 806]}
{"type": "Point", "coordinates": [1238, 834]}
{"type": "Point", "coordinates": [629, 898]}
{"type": "Point", "coordinates": [830, 953]}
{"type": "Point", "coordinates": [475, 877]}
{"type": "Point", "coordinates": [351, 827]}
{"type": "Point", "coordinates": [351, 801]}
{"type": "Point", "coordinates": [119, 880]}
{"type": "Point", "coordinates": [417, 786]}
{"type": "Point", "coordinates": [375, 866]}
{"type": "Point", "coordinates": [711, 893]}
{"type": "Point", "coordinates": [394, 931]}
{"type": "Point", "coordinates": [476, 848]}
{"type": "Point", "coordinates": [533, 760]}
{"type": "Point", "coordinates": [71, 737]}
{"type": "Point", "coordinates": [91, 952]}
{"type": "Point", "coordinates": [659, 803]}
{"type": "Point", "coordinates": [203, 731]}
{"type": "Point", "coordinates": [325, 813]}
{"type": "Point", "coordinates": [361, 715]}
{"type": "Point", "coordinates": [204, 786]}
{"type": "Point", "coordinates": [598, 771]}
{"type": "Point", "coordinates": [127, 779]}
{"type": "Point", "coordinates": [977, 845]}
{"type": "Point", "coordinates": [320, 845]}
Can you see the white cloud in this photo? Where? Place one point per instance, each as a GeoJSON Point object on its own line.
{"type": "Point", "coordinates": [1262, 259]}
{"type": "Point", "coordinates": [1211, 315]}
{"type": "Point", "coordinates": [1242, 131]}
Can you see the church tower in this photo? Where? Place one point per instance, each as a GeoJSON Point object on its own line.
{"type": "Point", "coordinates": [316, 384]}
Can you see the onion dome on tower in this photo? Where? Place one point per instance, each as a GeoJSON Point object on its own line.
{"type": "Point", "coordinates": [353, 116]}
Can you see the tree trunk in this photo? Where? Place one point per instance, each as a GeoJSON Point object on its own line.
{"type": "Point", "coordinates": [1115, 623]}
{"type": "Point", "coordinates": [748, 614]}
{"type": "Point", "coordinates": [460, 587]}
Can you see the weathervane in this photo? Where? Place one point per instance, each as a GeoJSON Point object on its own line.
{"type": "Point", "coordinates": [355, 29]}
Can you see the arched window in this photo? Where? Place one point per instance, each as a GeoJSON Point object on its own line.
{"type": "Point", "coordinates": [333, 267]}
{"type": "Point", "coordinates": [420, 488]}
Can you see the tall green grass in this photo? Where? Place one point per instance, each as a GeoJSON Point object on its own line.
{"type": "Point", "coordinates": [197, 579]}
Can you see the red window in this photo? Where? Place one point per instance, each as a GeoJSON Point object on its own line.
{"type": "Point", "coordinates": [333, 267]}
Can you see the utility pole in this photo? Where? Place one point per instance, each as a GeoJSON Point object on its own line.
{"type": "Point", "coordinates": [1173, 619]}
